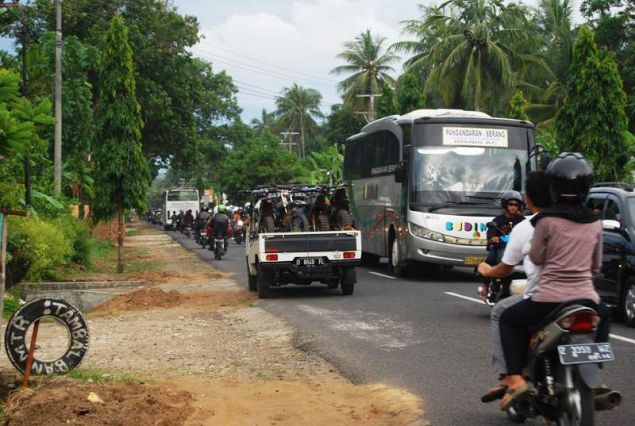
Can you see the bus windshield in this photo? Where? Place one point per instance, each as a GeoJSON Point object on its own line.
{"type": "Point", "coordinates": [183, 195]}
{"type": "Point", "coordinates": [465, 174]}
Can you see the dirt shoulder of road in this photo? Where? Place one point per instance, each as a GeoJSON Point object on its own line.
{"type": "Point", "coordinates": [194, 349]}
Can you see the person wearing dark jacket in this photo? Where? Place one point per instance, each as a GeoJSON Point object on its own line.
{"type": "Point", "coordinates": [498, 231]}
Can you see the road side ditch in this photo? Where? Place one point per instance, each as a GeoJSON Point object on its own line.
{"type": "Point", "coordinates": [192, 348]}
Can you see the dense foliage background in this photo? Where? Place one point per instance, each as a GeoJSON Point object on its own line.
{"type": "Point", "coordinates": [497, 56]}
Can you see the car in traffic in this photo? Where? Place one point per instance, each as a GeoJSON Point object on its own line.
{"type": "Point", "coordinates": [614, 203]}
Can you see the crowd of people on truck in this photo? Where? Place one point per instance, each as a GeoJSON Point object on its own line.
{"type": "Point", "coordinates": [298, 214]}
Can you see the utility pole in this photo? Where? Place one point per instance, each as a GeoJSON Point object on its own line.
{"type": "Point", "coordinates": [22, 34]}
{"type": "Point", "coordinates": [371, 104]}
{"type": "Point", "coordinates": [288, 135]}
{"type": "Point", "coordinates": [57, 152]}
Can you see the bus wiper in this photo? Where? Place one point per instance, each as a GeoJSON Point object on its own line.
{"type": "Point", "coordinates": [482, 198]}
{"type": "Point", "coordinates": [454, 203]}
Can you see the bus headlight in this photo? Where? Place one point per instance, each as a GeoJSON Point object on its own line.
{"type": "Point", "coordinates": [422, 232]}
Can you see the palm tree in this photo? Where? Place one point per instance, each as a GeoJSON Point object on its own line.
{"type": "Point", "coordinates": [545, 78]}
{"type": "Point", "coordinates": [297, 108]}
{"type": "Point", "coordinates": [465, 47]}
{"type": "Point", "coordinates": [370, 67]}
{"type": "Point", "coordinates": [265, 122]}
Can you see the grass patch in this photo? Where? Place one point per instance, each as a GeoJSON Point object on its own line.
{"type": "Point", "coordinates": [101, 376]}
{"type": "Point", "coordinates": [132, 232]}
{"type": "Point", "coordinates": [143, 266]}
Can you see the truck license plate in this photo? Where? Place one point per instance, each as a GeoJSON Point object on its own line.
{"type": "Point", "coordinates": [311, 261]}
{"type": "Point", "coordinates": [583, 353]}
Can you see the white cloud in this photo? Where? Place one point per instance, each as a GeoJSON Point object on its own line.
{"type": "Point", "coordinates": [303, 38]}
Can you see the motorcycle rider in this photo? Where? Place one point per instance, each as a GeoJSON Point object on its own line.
{"type": "Point", "coordinates": [219, 223]}
{"type": "Point", "coordinates": [537, 197]}
{"type": "Point", "coordinates": [498, 231]}
{"type": "Point", "coordinates": [188, 219]}
{"type": "Point", "coordinates": [567, 243]}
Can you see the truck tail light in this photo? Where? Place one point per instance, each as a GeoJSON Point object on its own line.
{"type": "Point", "coordinates": [349, 255]}
{"type": "Point", "coordinates": [271, 257]}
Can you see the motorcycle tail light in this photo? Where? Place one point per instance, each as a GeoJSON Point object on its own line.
{"type": "Point", "coordinates": [271, 257]}
{"type": "Point", "coordinates": [349, 255]}
{"type": "Point", "coordinates": [580, 322]}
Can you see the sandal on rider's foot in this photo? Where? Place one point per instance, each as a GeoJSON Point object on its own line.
{"type": "Point", "coordinates": [517, 394]}
{"type": "Point", "coordinates": [492, 394]}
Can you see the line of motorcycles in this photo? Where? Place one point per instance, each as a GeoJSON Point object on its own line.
{"type": "Point", "coordinates": [205, 238]}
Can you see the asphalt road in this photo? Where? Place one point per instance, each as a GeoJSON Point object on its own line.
{"type": "Point", "coordinates": [425, 333]}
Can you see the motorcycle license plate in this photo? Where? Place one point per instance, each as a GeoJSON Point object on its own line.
{"type": "Point", "coordinates": [584, 353]}
{"type": "Point", "coordinates": [311, 261]}
{"type": "Point", "coordinates": [204, 234]}
{"type": "Point", "coordinates": [473, 260]}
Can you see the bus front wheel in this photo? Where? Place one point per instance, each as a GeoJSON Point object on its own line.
{"type": "Point", "coordinates": [396, 266]}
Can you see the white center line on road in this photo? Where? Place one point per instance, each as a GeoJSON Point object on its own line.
{"type": "Point", "coordinates": [382, 275]}
{"type": "Point", "coordinates": [471, 299]}
{"type": "Point", "coordinates": [622, 338]}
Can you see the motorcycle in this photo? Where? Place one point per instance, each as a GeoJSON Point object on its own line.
{"type": "Point", "coordinates": [564, 369]}
{"type": "Point", "coordinates": [238, 232]}
{"type": "Point", "coordinates": [498, 288]}
{"type": "Point", "coordinates": [219, 247]}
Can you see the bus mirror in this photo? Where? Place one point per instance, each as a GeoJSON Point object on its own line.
{"type": "Point", "coordinates": [400, 173]}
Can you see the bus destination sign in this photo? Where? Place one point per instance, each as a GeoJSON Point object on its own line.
{"type": "Point", "coordinates": [475, 136]}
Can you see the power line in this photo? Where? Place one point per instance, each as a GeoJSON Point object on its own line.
{"type": "Point", "coordinates": [254, 68]}
{"type": "Point", "coordinates": [269, 64]}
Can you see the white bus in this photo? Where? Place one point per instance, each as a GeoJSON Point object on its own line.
{"type": "Point", "coordinates": [176, 200]}
{"type": "Point", "coordinates": [425, 184]}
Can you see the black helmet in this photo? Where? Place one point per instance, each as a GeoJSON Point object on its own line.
{"type": "Point", "coordinates": [571, 178]}
{"type": "Point", "coordinates": [511, 195]}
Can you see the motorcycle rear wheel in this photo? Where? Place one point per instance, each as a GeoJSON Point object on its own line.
{"type": "Point", "coordinates": [576, 399]}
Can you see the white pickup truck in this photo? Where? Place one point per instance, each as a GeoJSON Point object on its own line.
{"type": "Point", "coordinates": [279, 258]}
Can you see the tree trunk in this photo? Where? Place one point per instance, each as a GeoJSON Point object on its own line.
{"type": "Point", "coordinates": [301, 137]}
{"type": "Point", "coordinates": [120, 232]}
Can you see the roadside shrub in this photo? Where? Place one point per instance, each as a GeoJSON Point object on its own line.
{"type": "Point", "coordinates": [11, 305]}
{"type": "Point", "coordinates": [37, 247]}
{"type": "Point", "coordinates": [78, 233]}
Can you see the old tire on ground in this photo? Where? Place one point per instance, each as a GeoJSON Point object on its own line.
{"type": "Point", "coordinates": [347, 283]}
{"type": "Point", "coordinates": [628, 302]}
{"type": "Point", "coordinates": [251, 279]}
{"type": "Point", "coordinates": [263, 282]}
{"type": "Point", "coordinates": [17, 346]}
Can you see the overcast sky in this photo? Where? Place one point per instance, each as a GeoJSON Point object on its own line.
{"type": "Point", "coordinates": [268, 45]}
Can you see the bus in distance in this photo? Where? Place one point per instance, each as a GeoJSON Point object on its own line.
{"type": "Point", "coordinates": [425, 184]}
{"type": "Point", "coordinates": [176, 200]}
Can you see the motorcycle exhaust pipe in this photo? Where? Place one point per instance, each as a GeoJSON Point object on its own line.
{"type": "Point", "coordinates": [607, 401]}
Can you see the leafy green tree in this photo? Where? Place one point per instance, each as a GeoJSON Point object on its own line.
{"type": "Point", "coordinates": [297, 108]}
{"type": "Point", "coordinates": [325, 167]}
{"type": "Point", "coordinates": [121, 171]}
{"type": "Point", "coordinates": [543, 75]}
{"type": "Point", "coordinates": [342, 123]}
{"type": "Point", "coordinates": [465, 49]}
{"type": "Point", "coordinates": [614, 24]}
{"type": "Point", "coordinates": [386, 104]}
{"type": "Point", "coordinates": [260, 161]}
{"type": "Point", "coordinates": [517, 106]}
{"type": "Point", "coordinates": [369, 65]}
{"type": "Point", "coordinates": [266, 121]}
{"type": "Point", "coordinates": [410, 94]}
{"type": "Point", "coordinates": [592, 120]}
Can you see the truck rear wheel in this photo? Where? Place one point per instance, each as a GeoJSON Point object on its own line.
{"type": "Point", "coordinates": [348, 280]}
{"type": "Point", "coordinates": [263, 282]}
{"type": "Point", "coordinates": [251, 279]}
